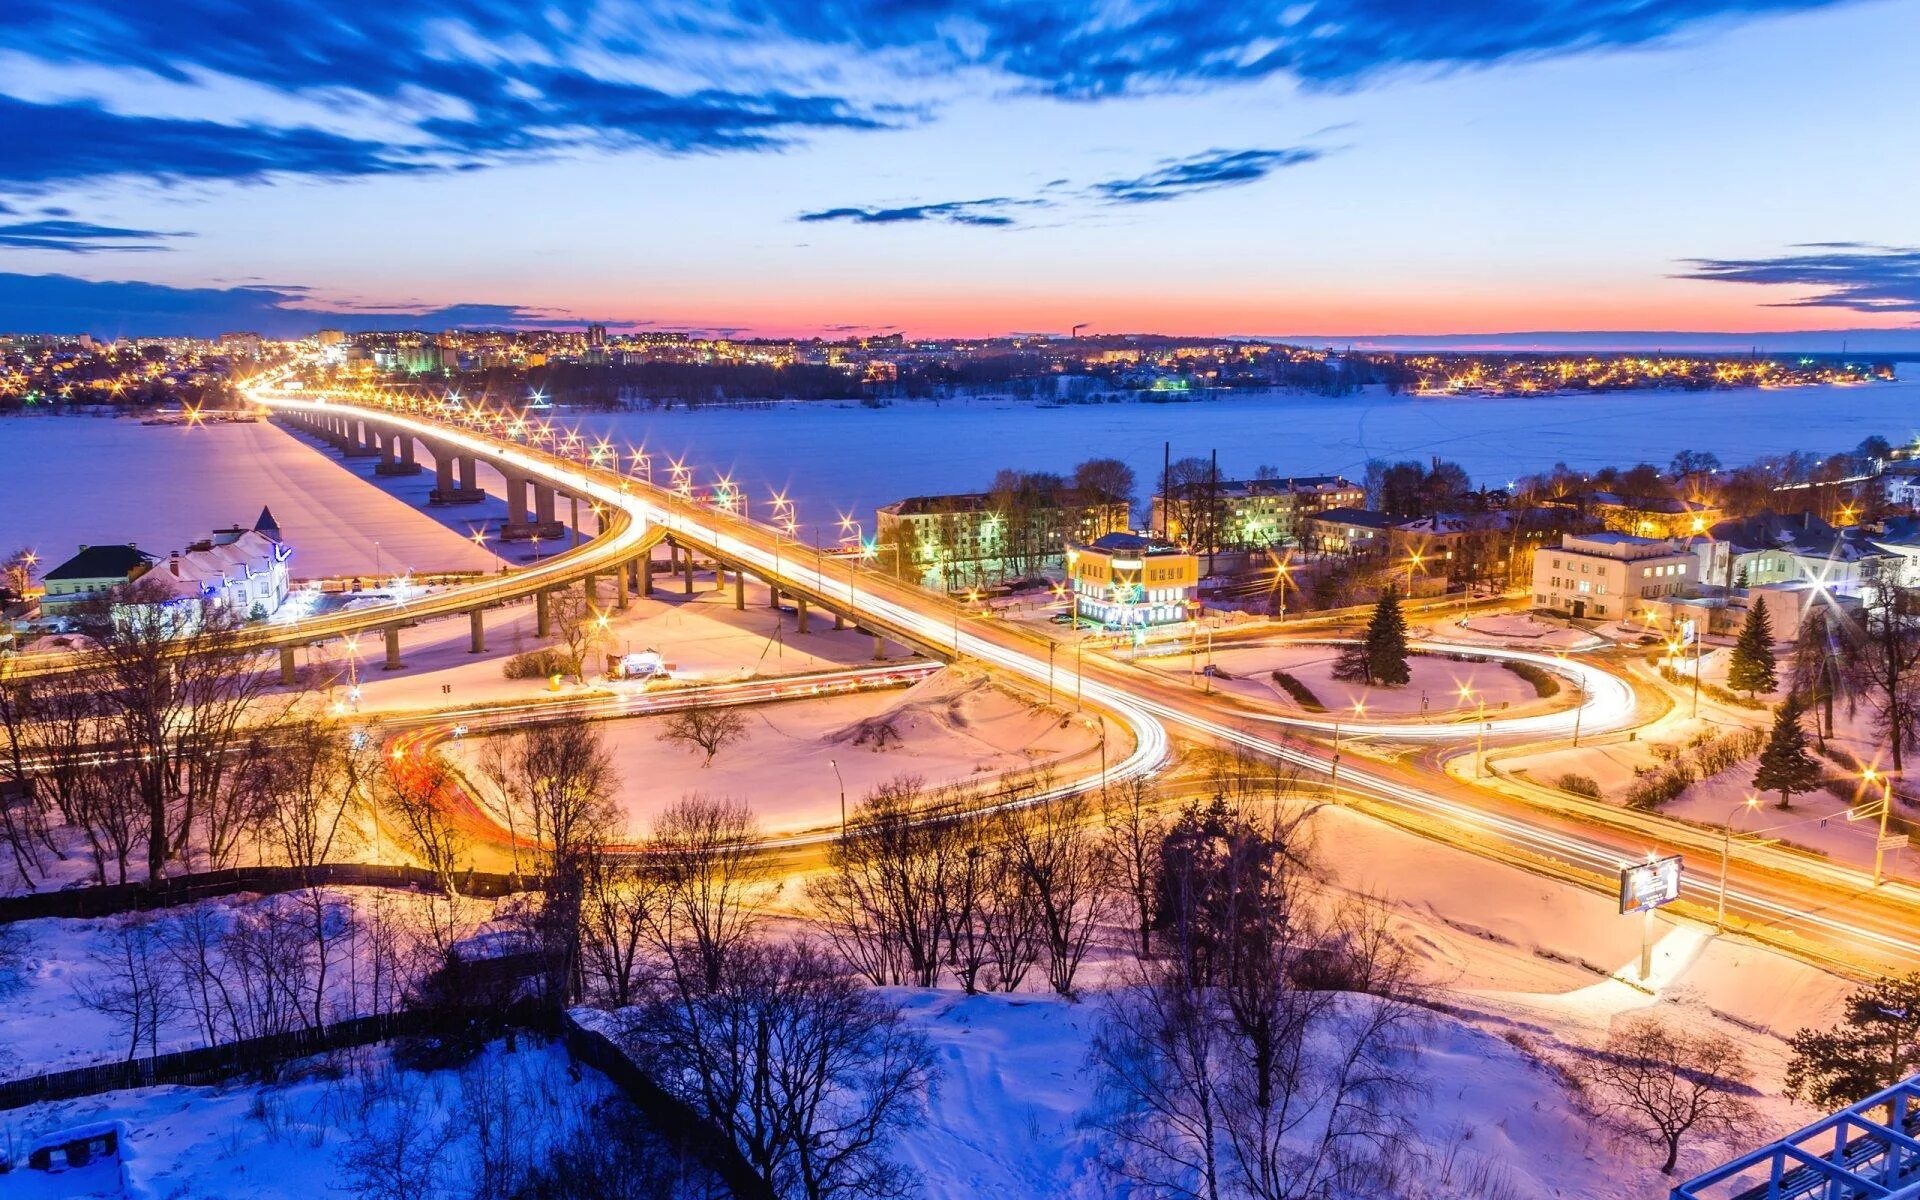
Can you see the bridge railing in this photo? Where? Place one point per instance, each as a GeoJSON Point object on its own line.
{"type": "Point", "coordinates": [1868, 1149]}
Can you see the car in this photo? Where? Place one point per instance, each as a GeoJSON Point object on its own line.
{"type": "Point", "coordinates": [1061, 618]}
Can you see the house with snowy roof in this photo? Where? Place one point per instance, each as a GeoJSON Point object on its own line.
{"type": "Point", "coordinates": [90, 574]}
{"type": "Point", "coordinates": [244, 570]}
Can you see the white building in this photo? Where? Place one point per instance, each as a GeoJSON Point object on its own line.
{"type": "Point", "coordinates": [241, 569]}
{"type": "Point", "coordinates": [1601, 575]}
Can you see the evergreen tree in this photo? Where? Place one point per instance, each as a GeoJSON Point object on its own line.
{"type": "Point", "coordinates": [1785, 765]}
{"type": "Point", "coordinates": [1752, 668]}
{"type": "Point", "coordinates": [1876, 1045]}
{"type": "Point", "coordinates": [1387, 643]}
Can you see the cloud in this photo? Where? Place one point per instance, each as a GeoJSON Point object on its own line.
{"type": "Point", "coordinates": [1088, 51]}
{"type": "Point", "coordinates": [448, 84]}
{"type": "Point", "coordinates": [986, 212]}
{"type": "Point", "coordinates": [409, 85]}
{"type": "Point", "coordinates": [64, 143]}
{"type": "Point", "coordinates": [116, 308]}
{"type": "Point", "coordinates": [1858, 276]}
{"type": "Point", "coordinates": [78, 237]}
{"type": "Point", "coordinates": [1170, 180]}
{"type": "Point", "coordinates": [1179, 177]}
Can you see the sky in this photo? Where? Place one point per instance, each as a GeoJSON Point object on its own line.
{"type": "Point", "coordinates": [1319, 169]}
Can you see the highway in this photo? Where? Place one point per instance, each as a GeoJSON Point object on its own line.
{"type": "Point", "coordinates": [1829, 915]}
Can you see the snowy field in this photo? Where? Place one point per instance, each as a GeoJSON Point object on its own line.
{"type": "Point", "coordinates": [951, 728]}
{"type": "Point", "coordinates": [1434, 692]}
{"type": "Point", "coordinates": [68, 481]}
{"type": "Point", "coordinates": [833, 458]}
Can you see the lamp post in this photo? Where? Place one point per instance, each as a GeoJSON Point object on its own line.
{"type": "Point", "coordinates": [835, 764]}
{"type": "Point", "coordinates": [1726, 839]}
{"type": "Point", "coordinates": [1333, 776]}
{"type": "Point", "coordinates": [1479, 726]}
{"type": "Point", "coordinates": [1869, 776]}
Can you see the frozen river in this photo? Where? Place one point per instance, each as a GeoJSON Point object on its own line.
{"type": "Point", "coordinates": [64, 481]}
{"type": "Point", "coordinates": [833, 457]}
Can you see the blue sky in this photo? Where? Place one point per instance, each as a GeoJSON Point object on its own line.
{"type": "Point", "coordinates": [1324, 168]}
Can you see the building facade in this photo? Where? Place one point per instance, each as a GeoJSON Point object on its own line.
{"type": "Point", "coordinates": [1603, 576]}
{"type": "Point", "coordinates": [91, 573]}
{"type": "Point", "coordinates": [974, 538]}
{"type": "Point", "coordinates": [1132, 581]}
{"type": "Point", "coordinates": [1255, 513]}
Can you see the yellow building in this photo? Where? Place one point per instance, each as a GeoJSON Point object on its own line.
{"type": "Point", "coordinates": [1131, 580]}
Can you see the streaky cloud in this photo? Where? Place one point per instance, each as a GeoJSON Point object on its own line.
{"type": "Point", "coordinates": [986, 213]}
{"type": "Point", "coordinates": [1179, 177]}
{"type": "Point", "coordinates": [1857, 276]}
{"type": "Point", "coordinates": [116, 308]}
{"type": "Point", "coordinates": [79, 237]}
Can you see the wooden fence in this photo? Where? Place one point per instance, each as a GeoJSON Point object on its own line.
{"type": "Point", "coordinates": [185, 889]}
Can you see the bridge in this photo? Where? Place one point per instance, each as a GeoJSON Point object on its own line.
{"type": "Point", "coordinates": [1866, 1151]}
{"type": "Point", "coordinates": [1823, 911]}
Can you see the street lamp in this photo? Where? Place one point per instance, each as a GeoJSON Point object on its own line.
{"type": "Point", "coordinates": [835, 764]}
{"type": "Point", "coordinates": [1282, 569]}
{"type": "Point", "coordinates": [1479, 726]}
{"type": "Point", "coordinates": [1726, 838]}
{"type": "Point", "coordinates": [1333, 776]}
{"type": "Point", "coordinates": [1413, 564]}
{"type": "Point", "coordinates": [1869, 776]}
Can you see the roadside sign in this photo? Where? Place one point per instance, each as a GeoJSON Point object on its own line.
{"type": "Point", "coordinates": [1648, 885]}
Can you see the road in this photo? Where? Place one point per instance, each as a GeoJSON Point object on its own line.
{"type": "Point", "coordinates": [1828, 915]}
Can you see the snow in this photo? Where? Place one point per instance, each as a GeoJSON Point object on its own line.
{"type": "Point", "coordinates": [162, 487]}
{"type": "Point", "coordinates": [285, 1140]}
{"type": "Point", "coordinates": [1434, 691]}
{"type": "Point", "coordinates": [1005, 1121]}
{"type": "Point", "coordinates": [952, 728]}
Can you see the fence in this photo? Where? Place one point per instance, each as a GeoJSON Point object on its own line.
{"type": "Point", "coordinates": [674, 1120]}
{"type": "Point", "coordinates": [185, 889]}
{"type": "Point", "coordinates": [210, 1063]}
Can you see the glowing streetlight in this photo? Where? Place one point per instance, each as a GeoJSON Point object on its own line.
{"type": "Point", "coordinates": [1726, 838]}
{"type": "Point", "coordinates": [1870, 776]}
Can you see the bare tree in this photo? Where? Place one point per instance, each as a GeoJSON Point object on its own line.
{"type": "Point", "coordinates": [418, 792]}
{"type": "Point", "coordinates": [1663, 1084]}
{"type": "Point", "coordinates": [1262, 1051]}
{"type": "Point", "coordinates": [130, 984]}
{"type": "Point", "coordinates": [1886, 659]}
{"type": "Point", "coordinates": [621, 905]}
{"type": "Point", "coordinates": [561, 777]}
{"type": "Point", "coordinates": [398, 1143]}
{"type": "Point", "coordinates": [707, 728]}
{"type": "Point", "coordinates": [809, 1073]}
{"type": "Point", "coordinates": [578, 626]}
{"type": "Point", "coordinates": [180, 682]}
{"type": "Point", "coordinates": [713, 883]}
{"type": "Point", "coordinates": [1056, 850]}
{"type": "Point", "coordinates": [307, 780]}
{"type": "Point", "coordinates": [1131, 842]}
{"type": "Point", "coordinates": [888, 898]}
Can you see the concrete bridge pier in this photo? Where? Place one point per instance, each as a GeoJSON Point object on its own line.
{"type": "Point", "coordinates": [360, 442]}
{"type": "Point", "coordinates": [476, 632]}
{"type": "Point", "coordinates": [393, 649]}
{"type": "Point", "coordinates": [739, 591]}
{"type": "Point", "coordinates": [686, 564]}
{"type": "Point", "coordinates": [839, 622]}
{"type": "Point", "coordinates": [646, 574]}
{"type": "Point", "coordinates": [879, 648]}
{"type": "Point", "coordinates": [622, 588]}
{"type": "Point", "coordinates": [542, 615]}
{"type": "Point", "coordinates": [443, 474]}
{"type": "Point", "coordinates": [287, 677]}
{"type": "Point", "coordinates": [590, 584]}
{"type": "Point", "coordinates": [542, 504]}
{"type": "Point", "coordinates": [469, 473]}
{"type": "Point", "coordinates": [800, 606]}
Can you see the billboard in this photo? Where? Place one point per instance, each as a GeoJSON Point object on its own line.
{"type": "Point", "coordinates": [1646, 886]}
